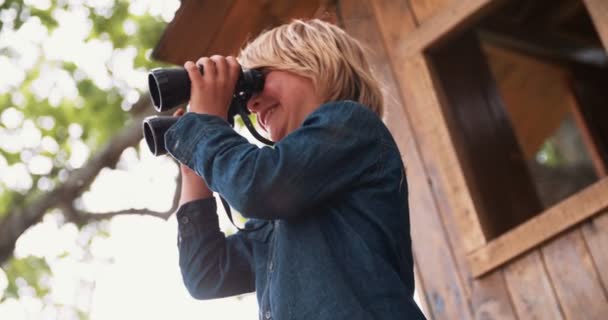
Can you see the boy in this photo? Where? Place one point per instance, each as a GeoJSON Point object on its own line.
{"type": "Point", "coordinates": [328, 201]}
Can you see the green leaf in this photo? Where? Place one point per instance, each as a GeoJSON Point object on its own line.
{"type": "Point", "coordinates": [31, 269]}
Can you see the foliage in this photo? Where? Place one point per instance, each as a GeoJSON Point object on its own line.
{"type": "Point", "coordinates": [29, 270]}
{"type": "Point", "coordinates": [57, 106]}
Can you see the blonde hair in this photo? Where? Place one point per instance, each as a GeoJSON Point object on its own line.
{"type": "Point", "coordinates": [322, 52]}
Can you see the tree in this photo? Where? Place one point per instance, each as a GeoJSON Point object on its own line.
{"type": "Point", "coordinates": [72, 99]}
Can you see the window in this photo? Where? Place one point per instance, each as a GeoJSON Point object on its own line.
{"type": "Point", "coordinates": [525, 104]}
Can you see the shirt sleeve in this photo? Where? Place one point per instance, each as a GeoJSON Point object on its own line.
{"type": "Point", "coordinates": [212, 265]}
{"type": "Point", "coordinates": [336, 147]}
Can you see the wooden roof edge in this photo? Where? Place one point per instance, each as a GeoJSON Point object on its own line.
{"type": "Point", "coordinates": [208, 15]}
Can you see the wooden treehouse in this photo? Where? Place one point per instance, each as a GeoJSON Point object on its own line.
{"type": "Point", "coordinates": [500, 110]}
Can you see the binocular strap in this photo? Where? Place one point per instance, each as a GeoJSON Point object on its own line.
{"type": "Point", "coordinates": [229, 213]}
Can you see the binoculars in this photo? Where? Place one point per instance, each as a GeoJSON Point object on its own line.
{"type": "Point", "coordinates": [171, 87]}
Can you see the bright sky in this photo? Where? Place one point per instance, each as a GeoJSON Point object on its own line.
{"type": "Point", "coordinates": [133, 273]}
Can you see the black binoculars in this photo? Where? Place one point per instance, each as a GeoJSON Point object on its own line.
{"type": "Point", "coordinates": [171, 87]}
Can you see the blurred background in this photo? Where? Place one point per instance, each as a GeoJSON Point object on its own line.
{"type": "Point", "coordinates": [86, 230]}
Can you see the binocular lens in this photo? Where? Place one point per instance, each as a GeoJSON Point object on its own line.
{"type": "Point", "coordinates": [155, 128]}
{"type": "Point", "coordinates": [169, 88]}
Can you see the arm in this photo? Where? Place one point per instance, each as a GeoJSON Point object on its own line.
{"type": "Point", "coordinates": [330, 153]}
{"type": "Point", "coordinates": [212, 265]}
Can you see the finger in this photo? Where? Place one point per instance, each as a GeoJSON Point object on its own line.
{"type": "Point", "coordinates": [209, 68]}
{"type": "Point", "coordinates": [178, 113]}
{"type": "Point", "coordinates": [193, 73]}
{"type": "Point", "coordinates": [234, 69]}
{"type": "Point", "coordinates": [221, 67]}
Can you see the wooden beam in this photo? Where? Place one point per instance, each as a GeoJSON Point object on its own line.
{"type": "Point", "coordinates": [202, 28]}
{"type": "Point", "coordinates": [449, 20]}
{"type": "Point", "coordinates": [190, 33]}
{"type": "Point", "coordinates": [425, 9]}
{"type": "Point", "coordinates": [598, 9]}
{"type": "Point", "coordinates": [444, 290]}
{"type": "Point", "coordinates": [481, 129]}
{"type": "Point", "coordinates": [573, 210]}
{"type": "Point", "coordinates": [544, 44]}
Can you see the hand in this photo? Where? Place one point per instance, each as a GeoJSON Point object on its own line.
{"type": "Point", "coordinates": [211, 92]}
{"type": "Point", "coordinates": [193, 186]}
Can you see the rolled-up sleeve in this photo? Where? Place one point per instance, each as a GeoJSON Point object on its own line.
{"type": "Point", "coordinates": [212, 265]}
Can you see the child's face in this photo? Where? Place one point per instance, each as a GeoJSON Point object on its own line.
{"type": "Point", "coordinates": [286, 100]}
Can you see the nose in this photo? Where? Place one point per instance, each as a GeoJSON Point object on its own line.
{"type": "Point", "coordinates": [253, 105]}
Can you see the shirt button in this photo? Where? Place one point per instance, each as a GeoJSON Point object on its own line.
{"type": "Point", "coordinates": [267, 315]}
{"type": "Point", "coordinates": [185, 220]}
{"type": "Point", "coordinates": [270, 266]}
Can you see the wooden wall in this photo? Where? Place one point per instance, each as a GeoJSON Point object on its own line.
{"type": "Point", "coordinates": [565, 278]}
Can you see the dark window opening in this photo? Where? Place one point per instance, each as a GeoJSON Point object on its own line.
{"type": "Point", "coordinates": [527, 108]}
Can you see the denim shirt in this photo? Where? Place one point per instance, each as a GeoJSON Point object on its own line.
{"type": "Point", "coordinates": [331, 203]}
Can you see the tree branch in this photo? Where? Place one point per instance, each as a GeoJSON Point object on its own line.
{"type": "Point", "coordinates": [82, 218]}
{"type": "Point", "coordinates": [20, 219]}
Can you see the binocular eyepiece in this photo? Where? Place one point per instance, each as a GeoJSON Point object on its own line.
{"type": "Point", "coordinates": [171, 87]}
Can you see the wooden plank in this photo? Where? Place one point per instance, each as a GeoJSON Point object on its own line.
{"type": "Point", "coordinates": [424, 9]}
{"type": "Point", "coordinates": [573, 210]}
{"type": "Point", "coordinates": [483, 136]}
{"type": "Point", "coordinates": [190, 33]}
{"type": "Point", "coordinates": [243, 23]}
{"type": "Point", "coordinates": [596, 236]}
{"type": "Point", "coordinates": [449, 20]}
{"type": "Point", "coordinates": [598, 9]}
{"type": "Point", "coordinates": [535, 95]}
{"type": "Point", "coordinates": [531, 289]}
{"type": "Point", "coordinates": [419, 293]}
{"type": "Point", "coordinates": [488, 297]}
{"type": "Point", "coordinates": [443, 289]}
{"type": "Point", "coordinates": [587, 136]}
{"type": "Point", "coordinates": [575, 278]}
{"type": "Point", "coordinates": [221, 27]}
{"type": "Point", "coordinates": [420, 93]}
{"type": "Point", "coordinates": [248, 18]}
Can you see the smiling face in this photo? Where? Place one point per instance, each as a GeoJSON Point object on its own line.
{"type": "Point", "coordinates": [286, 100]}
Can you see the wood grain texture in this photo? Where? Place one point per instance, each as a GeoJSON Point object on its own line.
{"type": "Point", "coordinates": [573, 210]}
{"type": "Point", "coordinates": [598, 9]}
{"type": "Point", "coordinates": [203, 28]}
{"type": "Point", "coordinates": [575, 278]}
{"type": "Point", "coordinates": [482, 133]}
{"type": "Point", "coordinates": [449, 20]}
{"type": "Point", "coordinates": [189, 35]}
{"type": "Point", "coordinates": [443, 290]}
{"type": "Point", "coordinates": [596, 236]}
{"type": "Point", "coordinates": [424, 9]}
{"type": "Point", "coordinates": [488, 297]}
{"type": "Point", "coordinates": [247, 18]}
{"type": "Point", "coordinates": [531, 288]}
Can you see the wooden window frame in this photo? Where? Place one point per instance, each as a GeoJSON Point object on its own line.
{"type": "Point", "coordinates": [486, 255]}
